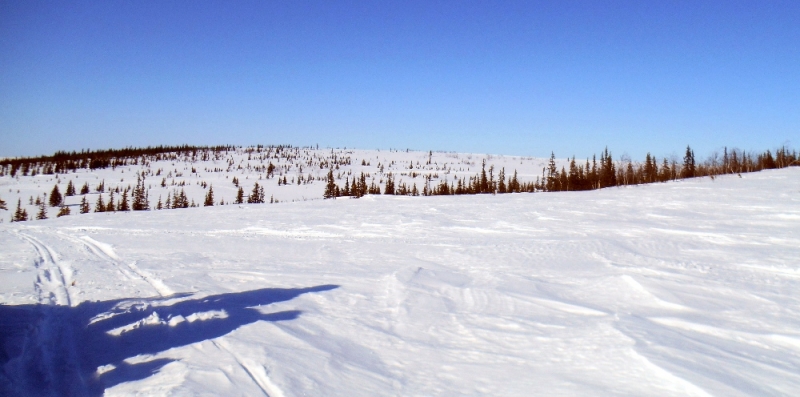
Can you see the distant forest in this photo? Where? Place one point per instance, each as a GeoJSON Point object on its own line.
{"type": "Point", "coordinates": [590, 175]}
{"type": "Point", "coordinates": [578, 175]}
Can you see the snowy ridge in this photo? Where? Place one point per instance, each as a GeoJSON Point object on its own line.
{"type": "Point", "coordinates": [679, 289]}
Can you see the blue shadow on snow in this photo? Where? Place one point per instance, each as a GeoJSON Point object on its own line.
{"type": "Point", "coordinates": [54, 350]}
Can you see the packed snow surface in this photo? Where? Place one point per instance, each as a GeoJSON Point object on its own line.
{"type": "Point", "coordinates": [687, 288]}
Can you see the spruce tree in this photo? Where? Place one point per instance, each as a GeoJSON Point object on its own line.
{"type": "Point", "coordinates": [85, 188]}
{"type": "Point", "coordinates": [110, 205]}
{"type": "Point", "coordinates": [84, 205]}
{"type": "Point", "coordinates": [63, 211]}
{"type": "Point", "coordinates": [55, 197]}
{"type": "Point", "coordinates": [257, 195]}
{"type": "Point", "coordinates": [239, 196]}
{"type": "Point", "coordinates": [20, 215]}
{"type": "Point", "coordinates": [330, 186]}
{"type": "Point", "coordinates": [140, 199]}
{"type": "Point", "coordinates": [688, 170]}
{"type": "Point", "coordinates": [70, 189]}
{"type": "Point", "coordinates": [209, 197]}
{"type": "Point", "coordinates": [42, 214]}
{"type": "Point", "coordinates": [552, 173]}
{"type": "Point", "coordinates": [123, 202]}
{"type": "Point", "coordinates": [100, 206]}
{"type": "Point", "coordinates": [3, 205]}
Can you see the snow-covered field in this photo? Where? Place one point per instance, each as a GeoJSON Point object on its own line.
{"type": "Point", "coordinates": [688, 288]}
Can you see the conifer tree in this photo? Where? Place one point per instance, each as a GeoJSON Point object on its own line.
{"type": "Point", "coordinates": [239, 196]}
{"type": "Point", "coordinates": [84, 205]}
{"type": "Point", "coordinates": [100, 206]}
{"type": "Point", "coordinates": [123, 202]}
{"type": "Point", "coordinates": [209, 197]}
{"type": "Point", "coordinates": [330, 186]}
{"type": "Point", "coordinates": [63, 211]}
{"type": "Point", "coordinates": [389, 188]}
{"type": "Point", "coordinates": [110, 207]}
{"type": "Point", "coordinates": [552, 173]}
{"type": "Point", "coordinates": [688, 170]}
{"type": "Point", "coordinates": [85, 188]}
{"type": "Point", "coordinates": [55, 197]}
{"type": "Point", "coordinates": [346, 191]}
{"type": "Point", "coordinates": [20, 215]}
{"type": "Point", "coordinates": [257, 195]}
{"type": "Point", "coordinates": [139, 197]}
{"type": "Point", "coordinates": [3, 205]}
{"type": "Point", "coordinates": [42, 214]}
{"type": "Point", "coordinates": [159, 205]}
{"type": "Point", "coordinates": [70, 189]}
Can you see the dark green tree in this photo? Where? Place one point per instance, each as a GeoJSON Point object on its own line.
{"type": "Point", "coordinates": [100, 206]}
{"type": "Point", "coordinates": [209, 201]}
{"type": "Point", "coordinates": [63, 211]}
{"type": "Point", "coordinates": [20, 215]}
{"type": "Point", "coordinates": [84, 205]}
{"type": "Point", "coordinates": [688, 170]}
{"type": "Point", "coordinates": [239, 196]}
{"type": "Point", "coordinates": [70, 189]}
{"type": "Point", "coordinates": [330, 186]}
{"type": "Point", "coordinates": [123, 202]}
{"type": "Point", "coordinates": [42, 214]}
{"type": "Point", "coordinates": [55, 197]}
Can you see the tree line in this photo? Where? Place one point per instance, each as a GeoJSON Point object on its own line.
{"type": "Point", "coordinates": [591, 175]}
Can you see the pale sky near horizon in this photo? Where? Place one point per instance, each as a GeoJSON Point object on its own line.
{"type": "Point", "coordinates": [502, 77]}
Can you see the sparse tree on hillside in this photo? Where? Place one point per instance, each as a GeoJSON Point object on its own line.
{"type": "Point", "coordinates": [55, 197]}
{"type": "Point", "coordinates": [123, 202]}
{"type": "Point", "coordinates": [330, 186]}
{"type": "Point", "coordinates": [42, 214]}
{"type": "Point", "coordinates": [70, 189]}
{"type": "Point", "coordinates": [209, 197]}
{"type": "Point", "coordinates": [63, 211]}
{"type": "Point", "coordinates": [20, 215]}
{"type": "Point", "coordinates": [84, 205]}
{"type": "Point", "coordinates": [239, 196]}
{"type": "Point", "coordinates": [257, 195]}
{"type": "Point", "coordinates": [140, 201]}
{"type": "Point", "coordinates": [110, 207]}
{"type": "Point", "coordinates": [100, 206]}
{"type": "Point", "coordinates": [688, 170]}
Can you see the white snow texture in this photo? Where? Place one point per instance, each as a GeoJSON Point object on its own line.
{"type": "Point", "coordinates": [687, 288]}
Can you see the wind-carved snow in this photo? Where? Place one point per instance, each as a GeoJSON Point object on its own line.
{"type": "Point", "coordinates": [154, 320]}
{"type": "Point", "coordinates": [678, 289]}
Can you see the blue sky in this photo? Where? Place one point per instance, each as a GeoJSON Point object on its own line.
{"type": "Point", "coordinates": [521, 78]}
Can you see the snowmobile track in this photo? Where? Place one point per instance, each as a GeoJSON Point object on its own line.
{"type": "Point", "coordinates": [51, 278]}
{"type": "Point", "coordinates": [106, 253]}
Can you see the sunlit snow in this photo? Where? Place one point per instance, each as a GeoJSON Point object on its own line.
{"type": "Point", "coordinates": [686, 288]}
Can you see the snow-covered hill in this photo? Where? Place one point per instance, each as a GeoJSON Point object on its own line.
{"type": "Point", "coordinates": [686, 288]}
{"type": "Point", "coordinates": [303, 169]}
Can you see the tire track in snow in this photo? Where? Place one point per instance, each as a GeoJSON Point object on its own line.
{"type": "Point", "coordinates": [256, 372]}
{"type": "Point", "coordinates": [51, 277]}
{"type": "Point", "coordinates": [106, 253]}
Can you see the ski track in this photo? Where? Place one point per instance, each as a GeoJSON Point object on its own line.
{"type": "Point", "coordinates": [106, 253]}
{"type": "Point", "coordinates": [51, 280]}
{"type": "Point", "coordinates": [256, 372]}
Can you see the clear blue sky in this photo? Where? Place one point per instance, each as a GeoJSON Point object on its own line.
{"type": "Point", "coordinates": [520, 78]}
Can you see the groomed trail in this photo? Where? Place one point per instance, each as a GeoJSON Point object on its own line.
{"type": "Point", "coordinates": [686, 288]}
